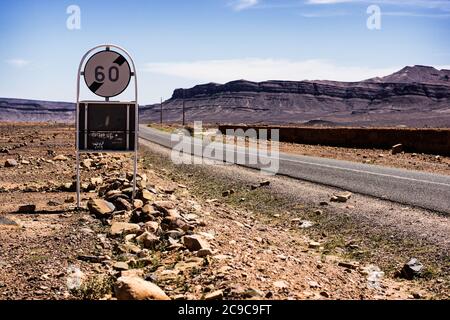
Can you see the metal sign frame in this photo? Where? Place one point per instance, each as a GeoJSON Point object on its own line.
{"type": "Point", "coordinates": [80, 73]}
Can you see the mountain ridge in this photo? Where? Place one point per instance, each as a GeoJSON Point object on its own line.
{"type": "Point", "coordinates": [413, 96]}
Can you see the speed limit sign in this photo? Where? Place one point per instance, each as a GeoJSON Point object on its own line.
{"type": "Point", "coordinates": [107, 73]}
{"type": "Point", "coordinates": [105, 125]}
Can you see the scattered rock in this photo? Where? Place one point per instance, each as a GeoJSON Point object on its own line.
{"type": "Point", "coordinates": [227, 193]}
{"type": "Point", "coordinates": [341, 197]}
{"type": "Point", "coordinates": [10, 163]}
{"type": "Point", "coordinates": [60, 158]}
{"type": "Point", "coordinates": [252, 293]}
{"type": "Point", "coordinates": [148, 240]}
{"type": "Point", "coordinates": [135, 288]}
{"type": "Point", "coordinates": [281, 284]}
{"type": "Point", "coordinates": [147, 195]}
{"type": "Point", "coordinates": [349, 265]}
{"type": "Point", "coordinates": [195, 243]}
{"type": "Point", "coordinates": [164, 206]}
{"type": "Point", "coordinates": [92, 258]}
{"type": "Point", "coordinates": [306, 224]}
{"type": "Point", "coordinates": [101, 208]}
{"type": "Point", "coordinates": [129, 247]}
{"type": "Point", "coordinates": [190, 263]}
{"type": "Point", "coordinates": [314, 245]}
{"type": "Point", "coordinates": [122, 204]}
{"type": "Point", "coordinates": [120, 266]}
{"type": "Point", "coordinates": [215, 295]}
{"type": "Point", "coordinates": [412, 269]}
{"type": "Point", "coordinates": [123, 228]}
{"type": "Point", "coordinates": [264, 183]}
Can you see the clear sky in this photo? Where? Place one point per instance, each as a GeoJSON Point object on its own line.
{"type": "Point", "coordinates": [180, 43]}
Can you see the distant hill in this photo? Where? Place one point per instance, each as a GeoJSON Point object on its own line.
{"type": "Point", "coordinates": [414, 96]}
{"type": "Point", "coordinates": [417, 74]}
{"type": "Point", "coordinates": [35, 110]}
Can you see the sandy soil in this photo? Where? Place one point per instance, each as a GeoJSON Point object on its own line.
{"type": "Point", "coordinates": [253, 256]}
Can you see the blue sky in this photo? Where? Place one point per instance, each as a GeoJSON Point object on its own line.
{"type": "Point", "coordinates": [182, 43]}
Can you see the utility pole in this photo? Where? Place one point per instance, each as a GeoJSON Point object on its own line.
{"type": "Point", "coordinates": [184, 98]}
{"type": "Point", "coordinates": [160, 116]}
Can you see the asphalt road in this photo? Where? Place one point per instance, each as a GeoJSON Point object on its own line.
{"type": "Point", "coordinates": [425, 190]}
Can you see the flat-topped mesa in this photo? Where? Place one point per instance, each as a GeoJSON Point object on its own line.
{"type": "Point", "coordinates": [369, 89]}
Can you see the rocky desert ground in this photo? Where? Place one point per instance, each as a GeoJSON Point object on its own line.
{"type": "Point", "coordinates": [188, 234]}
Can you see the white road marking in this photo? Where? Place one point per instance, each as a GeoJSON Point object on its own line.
{"type": "Point", "coordinates": [331, 166]}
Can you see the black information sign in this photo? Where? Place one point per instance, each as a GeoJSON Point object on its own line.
{"type": "Point", "coordinates": [106, 126]}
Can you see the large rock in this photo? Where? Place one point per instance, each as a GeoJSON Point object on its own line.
{"type": "Point", "coordinates": [195, 243]}
{"type": "Point", "coordinates": [412, 269]}
{"type": "Point", "coordinates": [135, 288]}
{"type": "Point", "coordinates": [60, 158]}
{"type": "Point", "coordinates": [100, 208]}
{"type": "Point", "coordinates": [341, 197]}
{"type": "Point", "coordinates": [120, 265]}
{"type": "Point", "coordinates": [10, 163]}
{"type": "Point", "coordinates": [147, 195]}
{"type": "Point", "coordinates": [123, 228]}
{"type": "Point", "coordinates": [164, 206]}
{"type": "Point", "coordinates": [123, 204]}
{"type": "Point", "coordinates": [148, 240]}
{"type": "Point", "coordinates": [215, 295]}
{"type": "Point", "coordinates": [148, 210]}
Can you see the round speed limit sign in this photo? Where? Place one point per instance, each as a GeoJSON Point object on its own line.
{"type": "Point", "coordinates": [107, 73]}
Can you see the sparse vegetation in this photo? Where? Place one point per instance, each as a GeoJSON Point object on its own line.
{"type": "Point", "coordinates": [376, 246]}
{"type": "Point", "coordinates": [95, 288]}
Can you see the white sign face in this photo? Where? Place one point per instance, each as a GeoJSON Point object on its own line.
{"type": "Point", "coordinates": [107, 73]}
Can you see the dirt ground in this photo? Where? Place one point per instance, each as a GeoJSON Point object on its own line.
{"type": "Point", "coordinates": [42, 252]}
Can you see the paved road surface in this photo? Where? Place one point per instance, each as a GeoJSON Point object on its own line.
{"type": "Point", "coordinates": [425, 190]}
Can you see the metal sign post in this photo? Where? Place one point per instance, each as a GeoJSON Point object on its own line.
{"type": "Point", "coordinates": [104, 126]}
